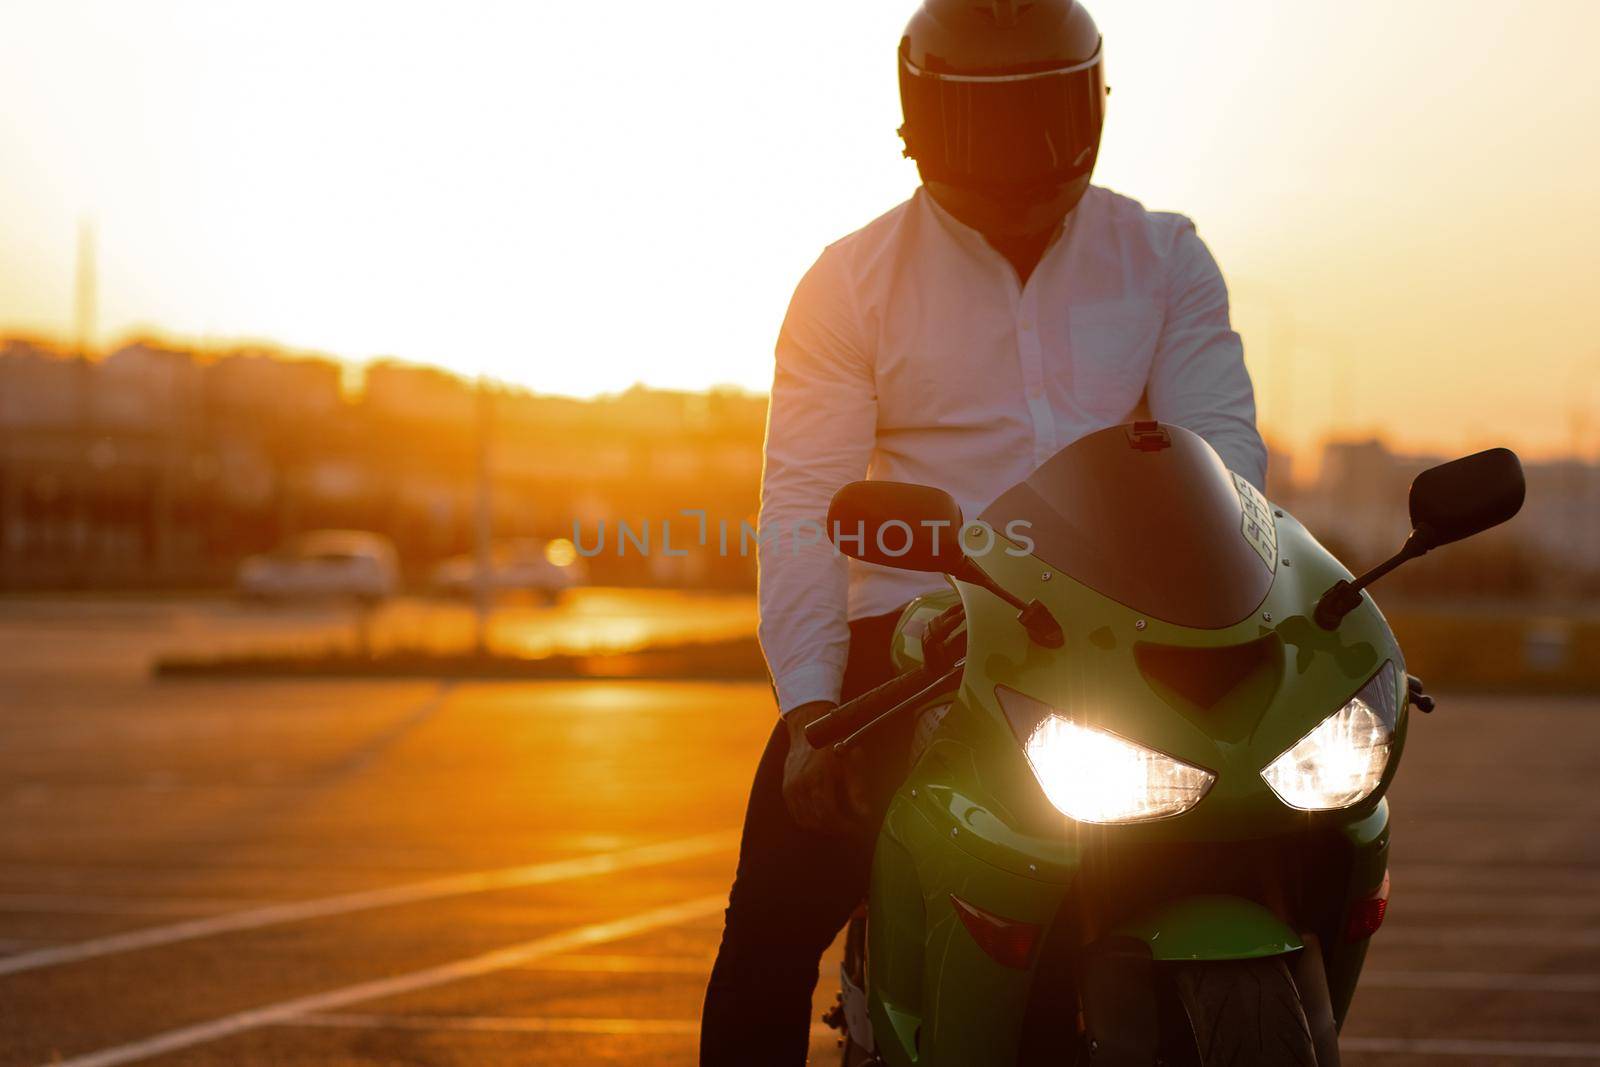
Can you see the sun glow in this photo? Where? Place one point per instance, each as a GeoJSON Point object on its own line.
{"type": "Point", "coordinates": [561, 552]}
{"type": "Point", "coordinates": [575, 201]}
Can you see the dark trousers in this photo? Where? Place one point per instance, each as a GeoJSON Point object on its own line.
{"type": "Point", "coordinates": [793, 892]}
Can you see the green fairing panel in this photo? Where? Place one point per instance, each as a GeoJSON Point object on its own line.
{"type": "Point", "coordinates": [1211, 928]}
{"type": "Point", "coordinates": [930, 979]}
{"type": "Point", "coordinates": [1369, 843]}
{"type": "Point", "coordinates": [1098, 680]}
{"type": "Point", "coordinates": [973, 775]}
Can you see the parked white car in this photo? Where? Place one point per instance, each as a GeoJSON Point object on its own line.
{"type": "Point", "coordinates": [324, 563]}
{"type": "Point", "coordinates": [544, 567]}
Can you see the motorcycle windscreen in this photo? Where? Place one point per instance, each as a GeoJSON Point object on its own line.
{"type": "Point", "coordinates": [1152, 520]}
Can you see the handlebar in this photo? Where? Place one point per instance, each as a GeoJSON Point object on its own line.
{"type": "Point", "coordinates": [944, 646]}
{"type": "Point", "coordinates": [850, 716]}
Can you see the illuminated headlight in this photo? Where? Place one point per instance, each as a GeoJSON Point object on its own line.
{"type": "Point", "coordinates": [1093, 775]}
{"type": "Point", "coordinates": [1342, 761]}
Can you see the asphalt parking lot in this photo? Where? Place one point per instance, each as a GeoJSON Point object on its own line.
{"type": "Point", "coordinates": [252, 873]}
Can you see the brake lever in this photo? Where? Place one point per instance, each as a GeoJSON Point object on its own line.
{"type": "Point", "coordinates": [939, 645]}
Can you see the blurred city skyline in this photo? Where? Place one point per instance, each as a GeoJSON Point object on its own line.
{"type": "Point", "coordinates": [451, 389]}
{"type": "Point", "coordinates": [159, 466]}
{"type": "Point", "coordinates": [1398, 194]}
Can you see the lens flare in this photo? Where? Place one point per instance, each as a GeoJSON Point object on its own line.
{"type": "Point", "coordinates": [561, 552]}
{"type": "Point", "coordinates": [1342, 761]}
{"type": "Point", "coordinates": [1096, 777]}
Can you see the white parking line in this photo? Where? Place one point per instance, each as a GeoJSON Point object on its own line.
{"type": "Point", "coordinates": [334, 999]}
{"type": "Point", "coordinates": [598, 964]}
{"type": "Point", "coordinates": [1446, 902]}
{"type": "Point", "coordinates": [366, 900]}
{"type": "Point", "coordinates": [1498, 936]}
{"type": "Point", "coordinates": [76, 904]}
{"type": "Point", "coordinates": [1442, 1046]}
{"type": "Point", "coordinates": [1494, 876]}
{"type": "Point", "coordinates": [1516, 983]}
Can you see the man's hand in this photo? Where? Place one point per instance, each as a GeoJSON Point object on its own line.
{"type": "Point", "coordinates": [824, 790]}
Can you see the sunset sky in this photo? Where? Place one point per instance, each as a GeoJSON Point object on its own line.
{"type": "Point", "coordinates": [575, 197]}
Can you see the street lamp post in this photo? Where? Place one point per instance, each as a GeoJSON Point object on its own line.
{"type": "Point", "coordinates": [483, 541]}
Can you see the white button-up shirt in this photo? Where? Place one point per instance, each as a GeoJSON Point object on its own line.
{"type": "Point", "coordinates": [911, 353]}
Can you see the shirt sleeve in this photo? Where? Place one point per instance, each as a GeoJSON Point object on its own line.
{"type": "Point", "coordinates": [1198, 379]}
{"type": "Point", "coordinates": [821, 425]}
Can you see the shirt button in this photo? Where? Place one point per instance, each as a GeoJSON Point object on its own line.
{"type": "Point", "coordinates": [1027, 326]}
{"type": "Point", "coordinates": [1036, 392]}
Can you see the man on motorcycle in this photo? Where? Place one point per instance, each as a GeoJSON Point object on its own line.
{"type": "Point", "coordinates": [1005, 310]}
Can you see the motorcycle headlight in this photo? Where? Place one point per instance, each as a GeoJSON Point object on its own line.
{"type": "Point", "coordinates": [1093, 775]}
{"type": "Point", "coordinates": [1342, 761]}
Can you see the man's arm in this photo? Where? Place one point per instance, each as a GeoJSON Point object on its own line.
{"type": "Point", "coordinates": [821, 424]}
{"type": "Point", "coordinates": [1198, 380]}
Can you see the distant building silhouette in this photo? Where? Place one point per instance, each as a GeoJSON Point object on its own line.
{"type": "Point", "coordinates": [1358, 506]}
{"type": "Point", "coordinates": [161, 466]}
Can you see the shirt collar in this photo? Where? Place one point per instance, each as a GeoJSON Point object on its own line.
{"type": "Point", "coordinates": [974, 242]}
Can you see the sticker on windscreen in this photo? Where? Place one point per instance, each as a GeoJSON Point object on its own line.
{"type": "Point", "coordinates": [1257, 523]}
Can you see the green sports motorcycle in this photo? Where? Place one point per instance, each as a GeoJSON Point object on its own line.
{"type": "Point", "coordinates": [1154, 723]}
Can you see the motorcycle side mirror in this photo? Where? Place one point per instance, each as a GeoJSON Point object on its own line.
{"type": "Point", "coordinates": [1466, 496]}
{"type": "Point", "coordinates": [1448, 503]}
{"type": "Point", "coordinates": [918, 528]}
{"type": "Point", "coordinates": [898, 524]}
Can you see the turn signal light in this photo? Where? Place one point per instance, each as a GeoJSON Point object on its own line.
{"type": "Point", "coordinates": [1367, 915]}
{"type": "Point", "coordinates": [1008, 942]}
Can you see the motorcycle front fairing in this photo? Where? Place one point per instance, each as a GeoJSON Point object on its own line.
{"type": "Point", "coordinates": [971, 833]}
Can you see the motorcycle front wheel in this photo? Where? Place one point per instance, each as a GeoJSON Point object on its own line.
{"type": "Point", "coordinates": [1245, 1013]}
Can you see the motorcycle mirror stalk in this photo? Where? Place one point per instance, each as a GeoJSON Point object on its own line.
{"type": "Point", "coordinates": [1035, 618]}
{"type": "Point", "coordinates": [1449, 502]}
{"type": "Point", "coordinates": [912, 516]}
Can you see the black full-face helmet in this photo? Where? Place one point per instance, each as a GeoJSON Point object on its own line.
{"type": "Point", "coordinates": [1003, 99]}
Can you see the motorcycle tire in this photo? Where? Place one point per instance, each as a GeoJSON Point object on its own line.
{"type": "Point", "coordinates": [1245, 1013]}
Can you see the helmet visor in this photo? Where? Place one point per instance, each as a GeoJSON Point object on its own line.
{"type": "Point", "coordinates": [1004, 131]}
